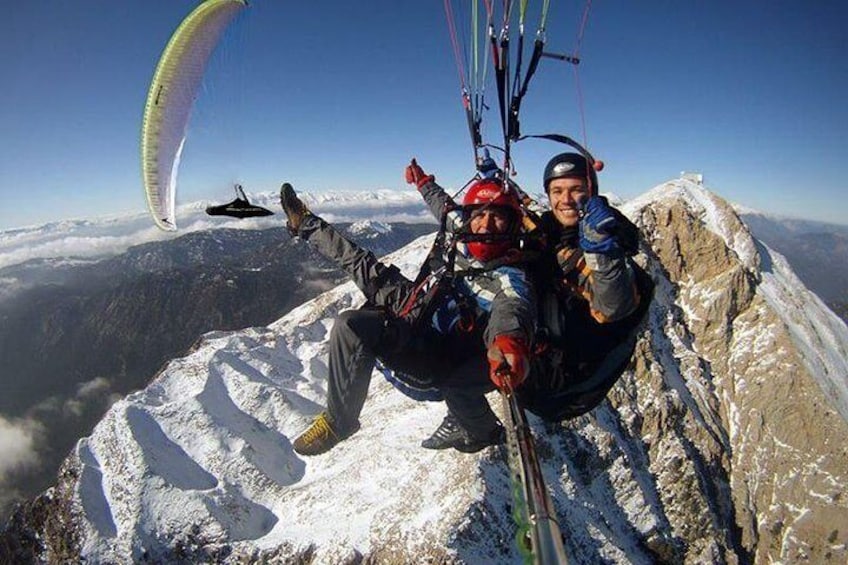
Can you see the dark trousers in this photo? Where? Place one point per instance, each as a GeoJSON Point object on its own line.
{"type": "Point", "coordinates": [565, 384]}
{"type": "Point", "coordinates": [455, 363]}
{"type": "Point", "coordinates": [559, 389]}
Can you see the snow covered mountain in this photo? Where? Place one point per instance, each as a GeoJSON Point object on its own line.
{"type": "Point", "coordinates": [723, 443]}
{"type": "Point", "coordinates": [79, 303]}
{"type": "Point", "coordinates": [76, 335]}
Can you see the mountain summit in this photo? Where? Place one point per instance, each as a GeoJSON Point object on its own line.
{"type": "Point", "coordinates": [725, 441]}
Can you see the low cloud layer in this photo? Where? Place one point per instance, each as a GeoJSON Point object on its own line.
{"type": "Point", "coordinates": [29, 446]}
{"type": "Point", "coordinates": [18, 444]}
{"type": "Point", "coordinates": [108, 236]}
{"type": "Point", "coordinates": [95, 395]}
{"type": "Point", "coordinates": [21, 439]}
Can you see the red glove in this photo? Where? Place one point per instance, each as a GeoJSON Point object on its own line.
{"type": "Point", "coordinates": [416, 175]}
{"type": "Point", "coordinates": [509, 361]}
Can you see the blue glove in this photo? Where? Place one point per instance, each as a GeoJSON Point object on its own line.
{"type": "Point", "coordinates": [597, 224]}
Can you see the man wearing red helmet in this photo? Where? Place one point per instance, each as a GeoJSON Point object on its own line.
{"type": "Point", "coordinates": [490, 209]}
{"type": "Point", "coordinates": [434, 332]}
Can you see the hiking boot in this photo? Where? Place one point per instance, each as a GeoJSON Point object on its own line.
{"type": "Point", "coordinates": [450, 433]}
{"type": "Point", "coordinates": [294, 208]}
{"type": "Point", "coordinates": [320, 437]}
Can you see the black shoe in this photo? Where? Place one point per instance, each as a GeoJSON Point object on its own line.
{"type": "Point", "coordinates": [294, 208]}
{"type": "Point", "coordinates": [446, 435]}
{"type": "Point", "coordinates": [496, 436]}
{"type": "Point", "coordinates": [451, 434]}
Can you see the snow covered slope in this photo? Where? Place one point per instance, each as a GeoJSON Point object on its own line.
{"type": "Point", "coordinates": [207, 448]}
{"type": "Point", "coordinates": [722, 443]}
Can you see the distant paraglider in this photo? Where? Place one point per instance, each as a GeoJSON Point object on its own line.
{"type": "Point", "coordinates": [170, 100]}
{"type": "Point", "coordinates": [239, 208]}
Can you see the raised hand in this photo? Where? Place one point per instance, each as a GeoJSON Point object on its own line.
{"type": "Point", "coordinates": [597, 226]}
{"type": "Point", "coordinates": [414, 174]}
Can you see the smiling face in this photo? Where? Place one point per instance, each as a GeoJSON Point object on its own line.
{"type": "Point", "coordinates": [490, 219]}
{"type": "Point", "coordinates": [565, 196]}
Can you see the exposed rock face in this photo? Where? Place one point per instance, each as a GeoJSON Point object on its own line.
{"type": "Point", "coordinates": [725, 442]}
{"type": "Point", "coordinates": [756, 419]}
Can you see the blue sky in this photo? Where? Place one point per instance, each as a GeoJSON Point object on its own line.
{"type": "Point", "coordinates": [340, 95]}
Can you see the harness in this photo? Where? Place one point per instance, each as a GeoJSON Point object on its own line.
{"type": "Point", "coordinates": [438, 277]}
{"type": "Point", "coordinates": [434, 279]}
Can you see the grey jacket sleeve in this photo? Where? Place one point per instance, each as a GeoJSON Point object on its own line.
{"type": "Point", "coordinates": [438, 200]}
{"type": "Point", "coordinates": [513, 305]}
{"type": "Point", "coordinates": [611, 287]}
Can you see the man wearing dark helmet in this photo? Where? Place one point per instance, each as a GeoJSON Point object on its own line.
{"type": "Point", "coordinates": [592, 295]}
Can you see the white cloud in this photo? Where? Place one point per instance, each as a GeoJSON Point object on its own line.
{"type": "Point", "coordinates": [18, 440]}
{"type": "Point", "coordinates": [94, 387]}
{"type": "Point", "coordinates": [96, 393]}
{"type": "Point", "coordinates": [108, 236]}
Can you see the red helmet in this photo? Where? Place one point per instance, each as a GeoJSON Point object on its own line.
{"type": "Point", "coordinates": [486, 193]}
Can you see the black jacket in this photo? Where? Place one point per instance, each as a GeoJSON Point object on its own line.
{"type": "Point", "coordinates": [590, 308]}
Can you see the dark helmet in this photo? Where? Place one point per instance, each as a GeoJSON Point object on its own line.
{"type": "Point", "coordinates": [485, 193]}
{"type": "Point", "coordinates": [572, 165]}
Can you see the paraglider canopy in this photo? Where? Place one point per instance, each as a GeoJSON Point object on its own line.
{"type": "Point", "coordinates": [170, 98]}
{"type": "Point", "coordinates": [239, 208]}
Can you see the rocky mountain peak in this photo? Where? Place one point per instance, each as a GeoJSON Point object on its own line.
{"type": "Point", "coordinates": [759, 411]}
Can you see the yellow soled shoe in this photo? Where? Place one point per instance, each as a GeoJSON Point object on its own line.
{"type": "Point", "coordinates": [320, 437]}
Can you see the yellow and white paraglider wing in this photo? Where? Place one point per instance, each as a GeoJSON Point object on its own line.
{"type": "Point", "coordinates": [170, 99]}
